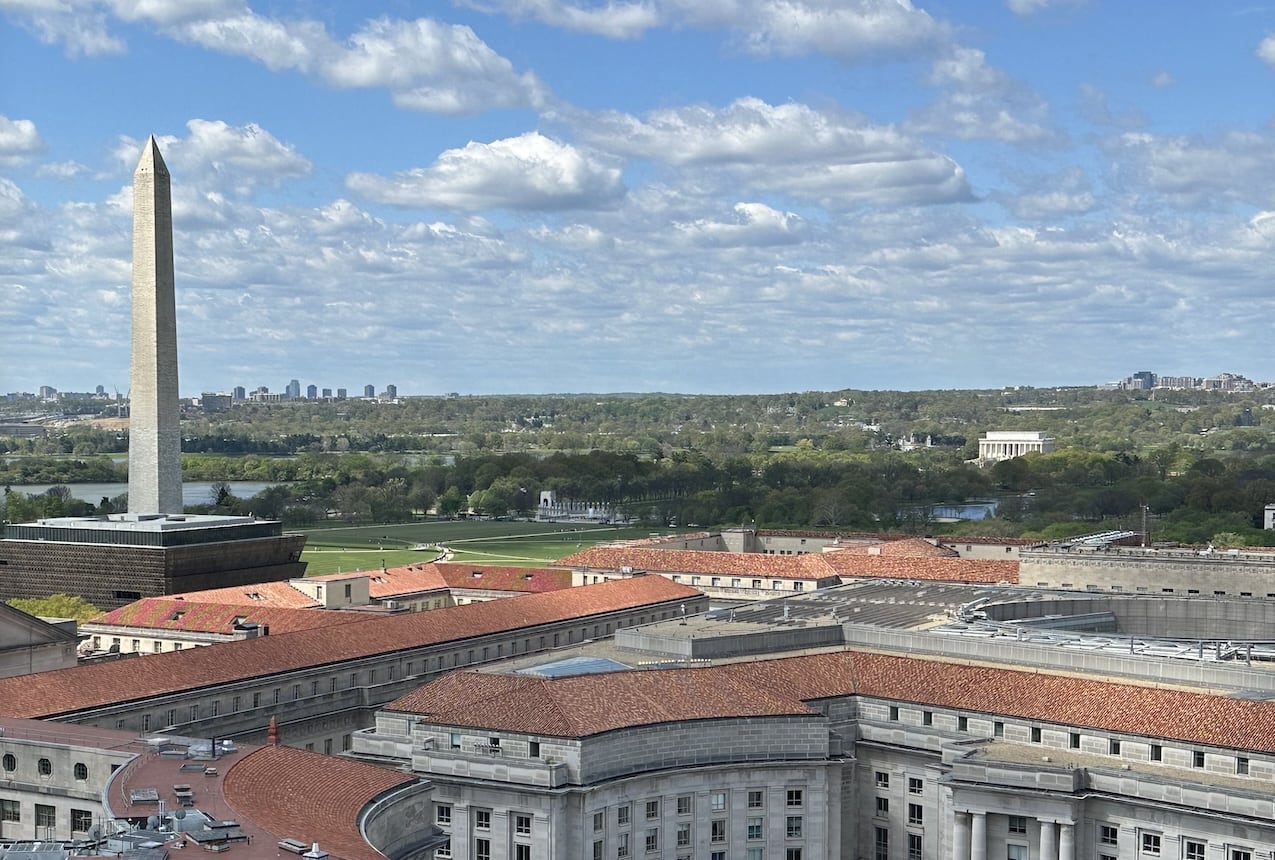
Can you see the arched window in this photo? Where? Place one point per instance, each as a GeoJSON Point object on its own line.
{"type": "Point", "coordinates": [81, 771]}
{"type": "Point", "coordinates": [45, 767]}
{"type": "Point", "coordinates": [10, 762]}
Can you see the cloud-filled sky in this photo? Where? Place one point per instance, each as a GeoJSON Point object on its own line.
{"type": "Point", "coordinates": [534, 196]}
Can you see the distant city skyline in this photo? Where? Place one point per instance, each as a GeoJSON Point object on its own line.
{"type": "Point", "coordinates": [767, 195]}
{"type": "Point", "coordinates": [1225, 381]}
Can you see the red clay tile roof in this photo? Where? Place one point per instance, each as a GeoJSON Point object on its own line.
{"type": "Point", "coordinates": [64, 691]}
{"type": "Point", "coordinates": [294, 794]}
{"type": "Point", "coordinates": [851, 565]}
{"type": "Point", "coordinates": [583, 705]}
{"type": "Point", "coordinates": [700, 561]}
{"type": "Point", "coordinates": [503, 578]}
{"type": "Point", "coordinates": [811, 566]}
{"type": "Point", "coordinates": [908, 547]}
{"type": "Point", "coordinates": [401, 581]}
{"type": "Point", "coordinates": [279, 594]}
{"type": "Point", "coordinates": [586, 705]}
{"type": "Point", "coordinates": [191, 616]}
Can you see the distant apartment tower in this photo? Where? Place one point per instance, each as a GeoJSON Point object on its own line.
{"type": "Point", "coordinates": [292, 390]}
{"type": "Point", "coordinates": [239, 393]}
{"type": "Point", "coordinates": [341, 394]}
{"type": "Point", "coordinates": [391, 391]}
{"type": "Point", "coordinates": [48, 392]}
{"type": "Point", "coordinates": [327, 394]}
{"type": "Point", "coordinates": [369, 391]}
{"type": "Point", "coordinates": [214, 402]}
{"type": "Point", "coordinates": [999, 445]}
{"type": "Point", "coordinates": [312, 392]}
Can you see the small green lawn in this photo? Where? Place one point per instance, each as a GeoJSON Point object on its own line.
{"type": "Point", "coordinates": [345, 549]}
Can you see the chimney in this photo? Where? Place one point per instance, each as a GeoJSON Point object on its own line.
{"type": "Point", "coordinates": [272, 733]}
{"type": "Point", "coordinates": [314, 853]}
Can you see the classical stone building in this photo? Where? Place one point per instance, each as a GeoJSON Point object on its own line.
{"type": "Point", "coordinates": [998, 445]}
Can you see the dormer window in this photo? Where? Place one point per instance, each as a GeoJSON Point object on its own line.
{"type": "Point", "coordinates": [177, 616]}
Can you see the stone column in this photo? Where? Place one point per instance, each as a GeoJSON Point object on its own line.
{"type": "Point", "coordinates": [1066, 842]}
{"type": "Point", "coordinates": [978, 837]}
{"type": "Point", "coordinates": [961, 836]}
{"type": "Point", "coordinates": [1048, 841]}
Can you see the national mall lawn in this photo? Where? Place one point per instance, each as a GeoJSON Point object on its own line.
{"type": "Point", "coordinates": [343, 549]}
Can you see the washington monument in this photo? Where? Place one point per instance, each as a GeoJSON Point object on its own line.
{"type": "Point", "coordinates": [154, 446]}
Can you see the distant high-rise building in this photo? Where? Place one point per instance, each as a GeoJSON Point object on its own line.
{"type": "Point", "coordinates": [154, 447]}
{"type": "Point", "coordinates": [391, 391]}
{"type": "Point", "coordinates": [312, 391]}
{"type": "Point", "coordinates": [327, 394]}
{"type": "Point", "coordinates": [369, 391]}
{"type": "Point", "coordinates": [341, 394]}
{"type": "Point", "coordinates": [239, 393]}
{"type": "Point", "coordinates": [292, 391]}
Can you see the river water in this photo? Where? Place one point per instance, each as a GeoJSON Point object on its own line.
{"type": "Point", "coordinates": [193, 492]}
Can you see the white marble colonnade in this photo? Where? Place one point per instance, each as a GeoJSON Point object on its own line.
{"type": "Point", "coordinates": [1057, 839]}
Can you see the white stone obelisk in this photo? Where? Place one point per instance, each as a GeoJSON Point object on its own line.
{"type": "Point", "coordinates": [154, 446]}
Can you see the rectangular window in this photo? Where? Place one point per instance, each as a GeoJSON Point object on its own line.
{"type": "Point", "coordinates": [1073, 740]}
{"type": "Point", "coordinates": [1113, 747]}
{"type": "Point", "coordinates": [522, 825]}
{"type": "Point", "coordinates": [522, 852]}
{"type": "Point", "coordinates": [756, 828]}
{"type": "Point", "coordinates": [927, 718]}
{"type": "Point", "coordinates": [443, 814]}
{"type": "Point", "coordinates": [1035, 734]}
{"type": "Point", "coordinates": [883, 779]}
{"type": "Point", "coordinates": [599, 821]}
{"type": "Point", "coordinates": [894, 713]}
{"type": "Point", "coordinates": [533, 749]}
{"type": "Point", "coordinates": [962, 724]}
{"type": "Point", "coordinates": [755, 854]}
{"type": "Point", "coordinates": [1018, 824]}
{"type": "Point", "coordinates": [45, 816]}
{"type": "Point", "coordinates": [482, 849]}
{"type": "Point", "coordinates": [683, 835]}
{"type": "Point", "coordinates": [1157, 752]}
{"type": "Point", "coordinates": [622, 846]}
{"type": "Point", "coordinates": [81, 820]}
{"type": "Point", "coordinates": [915, 813]}
{"type": "Point", "coordinates": [1108, 834]}
{"type": "Point", "coordinates": [652, 840]}
{"type": "Point", "coordinates": [1197, 758]}
{"type": "Point", "coordinates": [1192, 849]}
{"type": "Point", "coordinates": [622, 815]}
{"type": "Point", "coordinates": [454, 740]}
{"type": "Point", "coordinates": [914, 846]}
{"type": "Point", "coordinates": [717, 801]}
{"type": "Point", "coordinates": [792, 827]}
{"type": "Point", "coordinates": [998, 729]}
{"type": "Point", "coordinates": [792, 854]}
{"type": "Point", "coordinates": [10, 810]}
{"type": "Point", "coordinates": [883, 807]}
{"type": "Point", "coordinates": [482, 819]}
{"type": "Point", "coordinates": [597, 849]}
{"type": "Point", "coordinates": [756, 798]}
{"type": "Point", "coordinates": [684, 804]}
{"type": "Point", "coordinates": [1015, 852]}
{"type": "Point", "coordinates": [652, 809]}
{"type": "Point", "coordinates": [1241, 854]}
{"type": "Point", "coordinates": [915, 786]}
{"type": "Point", "coordinates": [880, 843]}
{"type": "Point", "coordinates": [1151, 844]}
{"type": "Point", "coordinates": [795, 797]}
{"type": "Point", "coordinates": [1241, 765]}
{"type": "Point", "coordinates": [717, 830]}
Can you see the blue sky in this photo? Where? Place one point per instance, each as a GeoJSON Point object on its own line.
{"type": "Point", "coordinates": [532, 196]}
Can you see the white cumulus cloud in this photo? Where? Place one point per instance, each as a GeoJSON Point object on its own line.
{"type": "Point", "coordinates": [19, 140]}
{"type": "Point", "coordinates": [529, 172]}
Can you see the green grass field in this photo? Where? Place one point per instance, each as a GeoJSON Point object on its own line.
{"type": "Point", "coordinates": [344, 549]}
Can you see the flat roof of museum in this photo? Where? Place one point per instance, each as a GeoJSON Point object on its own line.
{"type": "Point", "coordinates": [144, 522]}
